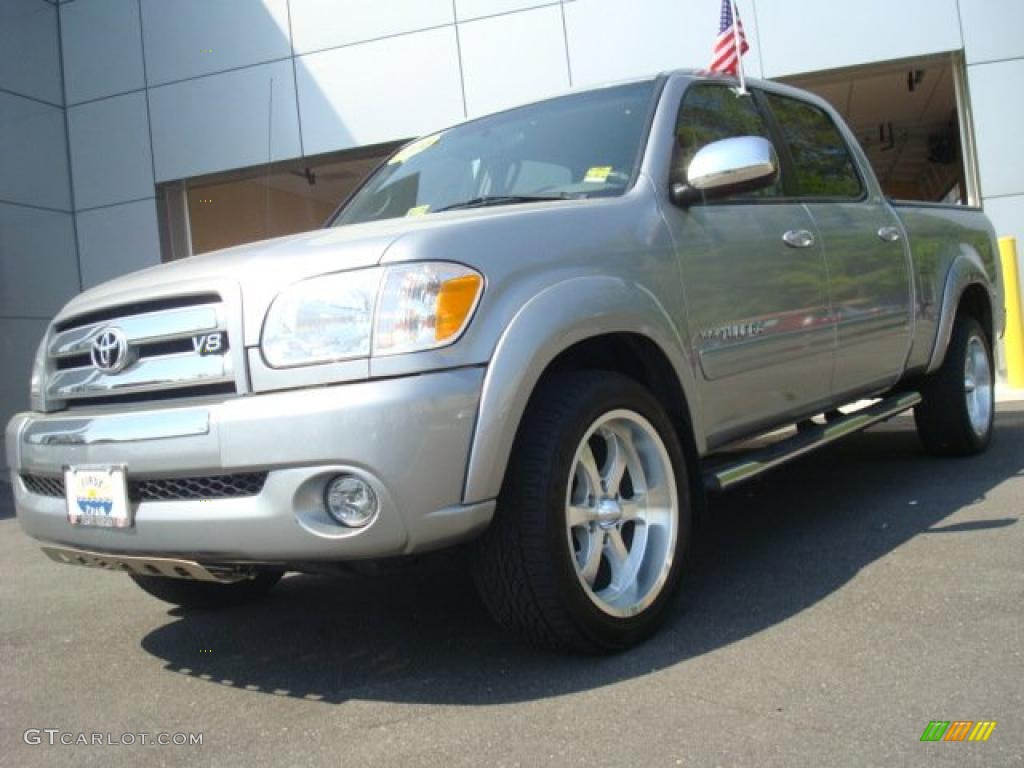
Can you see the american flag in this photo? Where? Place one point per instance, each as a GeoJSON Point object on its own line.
{"type": "Point", "coordinates": [725, 58]}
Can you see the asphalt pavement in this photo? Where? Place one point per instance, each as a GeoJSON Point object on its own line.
{"type": "Point", "coordinates": [833, 610]}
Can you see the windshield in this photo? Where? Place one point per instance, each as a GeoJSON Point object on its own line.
{"type": "Point", "coordinates": [581, 145]}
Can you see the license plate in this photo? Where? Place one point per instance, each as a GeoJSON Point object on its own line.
{"type": "Point", "coordinates": [97, 496]}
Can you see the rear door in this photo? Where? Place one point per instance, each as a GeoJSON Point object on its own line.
{"type": "Point", "coordinates": [867, 258]}
{"type": "Point", "coordinates": [755, 282]}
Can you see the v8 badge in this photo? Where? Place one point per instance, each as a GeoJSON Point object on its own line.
{"type": "Point", "coordinates": [209, 344]}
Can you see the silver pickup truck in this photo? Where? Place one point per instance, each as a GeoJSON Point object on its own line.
{"type": "Point", "coordinates": [546, 333]}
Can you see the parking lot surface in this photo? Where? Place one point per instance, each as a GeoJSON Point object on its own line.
{"type": "Point", "coordinates": [833, 609]}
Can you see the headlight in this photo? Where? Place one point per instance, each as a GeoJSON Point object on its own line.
{"type": "Point", "coordinates": [35, 387]}
{"type": "Point", "coordinates": [382, 310]}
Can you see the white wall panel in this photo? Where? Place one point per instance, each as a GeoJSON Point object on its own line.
{"type": "Point", "coordinates": [807, 35]}
{"type": "Point", "coordinates": [38, 269]}
{"type": "Point", "coordinates": [220, 122]}
{"type": "Point", "coordinates": [33, 154]}
{"type": "Point", "coordinates": [474, 9]}
{"type": "Point", "coordinates": [381, 91]}
{"type": "Point", "coordinates": [117, 240]}
{"type": "Point", "coordinates": [110, 154]}
{"type": "Point", "coordinates": [992, 29]}
{"type": "Point", "coordinates": [609, 40]}
{"type": "Point", "coordinates": [102, 48]}
{"type": "Point", "coordinates": [320, 24]}
{"type": "Point", "coordinates": [187, 38]}
{"type": "Point", "coordinates": [998, 116]}
{"type": "Point", "coordinates": [29, 57]}
{"type": "Point", "coordinates": [1007, 215]}
{"type": "Point", "coordinates": [512, 59]}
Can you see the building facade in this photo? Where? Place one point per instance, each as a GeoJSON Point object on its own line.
{"type": "Point", "coordinates": [136, 131]}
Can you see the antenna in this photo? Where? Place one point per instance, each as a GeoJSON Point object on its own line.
{"type": "Point", "coordinates": [266, 175]}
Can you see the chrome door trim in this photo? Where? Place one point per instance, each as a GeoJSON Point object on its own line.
{"type": "Point", "coordinates": [119, 428]}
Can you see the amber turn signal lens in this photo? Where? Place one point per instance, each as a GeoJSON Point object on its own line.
{"type": "Point", "coordinates": [455, 302]}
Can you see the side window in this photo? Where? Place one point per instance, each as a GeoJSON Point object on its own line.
{"type": "Point", "coordinates": [710, 113]}
{"type": "Point", "coordinates": [822, 163]}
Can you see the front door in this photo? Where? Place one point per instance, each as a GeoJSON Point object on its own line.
{"type": "Point", "coordinates": [755, 281]}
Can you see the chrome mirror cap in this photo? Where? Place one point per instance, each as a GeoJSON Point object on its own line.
{"type": "Point", "coordinates": [728, 165]}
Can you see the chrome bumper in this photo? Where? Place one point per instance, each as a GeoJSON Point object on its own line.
{"type": "Point", "coordinates": [408, 437]}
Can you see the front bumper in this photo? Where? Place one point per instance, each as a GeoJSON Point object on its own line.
{"type": "Point", "coordinates": [409, 437]}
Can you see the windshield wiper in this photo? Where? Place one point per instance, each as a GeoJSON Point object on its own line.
{"type": "Point", "coordinates": [486, 200]}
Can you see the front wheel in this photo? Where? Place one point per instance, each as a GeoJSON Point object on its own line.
{"type": "Point", "coordinates": [593, 521]}
{"type": "Point", "coordinates": [955, 417]}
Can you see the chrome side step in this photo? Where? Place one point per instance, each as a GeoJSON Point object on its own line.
{"type": "Point", "coordinates": [729, 470]}
{"type": "Point", "coordinates": [145, 566]}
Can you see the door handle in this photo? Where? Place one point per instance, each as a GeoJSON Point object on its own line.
{"type": "Point", "coordinates": [798, 238]}
{"type": "Point", "coordinates": [889, 234]}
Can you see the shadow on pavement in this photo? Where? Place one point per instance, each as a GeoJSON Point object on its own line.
{"type": "Point", "coordinates": [767, 552]}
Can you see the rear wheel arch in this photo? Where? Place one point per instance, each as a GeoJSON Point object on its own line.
{"type": "Point", "coordinates": [967, 291]}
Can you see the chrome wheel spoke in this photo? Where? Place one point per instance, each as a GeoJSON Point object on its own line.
{"type": "Point", "coordinates": [592, 560]}
{"type": "Point", "coordinates": [579, 514]}
{"type": "Point", "coordinates": [618, 555]}
{"type": "Point", "coordinates": [632, 507]}
{"type": "Point", "coordinates": [588, 464]}
{"type": "Point", "coordinates": [615, 467]}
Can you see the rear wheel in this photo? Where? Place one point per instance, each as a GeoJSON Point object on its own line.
{"type": "Point", "coordinates": [208, 594]}
{"type": "Point", "coordinates": [593, 520]}
{"type": "Point", "coordinates": [956, 415]}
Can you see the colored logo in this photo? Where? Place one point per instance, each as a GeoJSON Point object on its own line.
{"type": "Point", "coordinates": [958, 730]}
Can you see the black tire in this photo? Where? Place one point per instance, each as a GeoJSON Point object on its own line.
{"type": "Point", "coordinates": [207, 594]}
{"type": "Point", "coordinates": [524, 564]}
{"type": "Point", "coordinates": [943, 417]}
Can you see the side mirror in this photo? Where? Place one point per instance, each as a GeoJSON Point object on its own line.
{"type": "Point", "coordinates": [728, 166]}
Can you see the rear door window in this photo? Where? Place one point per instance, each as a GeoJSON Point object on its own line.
{"type": "Point", "coordinates": [822, 164]}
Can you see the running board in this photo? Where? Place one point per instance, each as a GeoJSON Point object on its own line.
{"type": "Point", "coordinates": [730, 470]}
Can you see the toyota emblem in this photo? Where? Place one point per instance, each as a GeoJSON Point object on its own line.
{"type": "Point", "coordinates": [110, 351]}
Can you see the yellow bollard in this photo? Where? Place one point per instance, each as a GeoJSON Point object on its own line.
{"type": "Point", "coordinates": [1013, 339]}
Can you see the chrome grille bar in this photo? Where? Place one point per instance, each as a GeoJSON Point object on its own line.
{"type": "Point", "coordinates": [167, 325]}
{"type": "Point", "coordinates": [150, 374]}
{"type": "Point", "coordinates": [167, 347]}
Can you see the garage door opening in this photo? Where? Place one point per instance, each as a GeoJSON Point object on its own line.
{"type": "Point", "coordinates": [913, 121]}
{"type": "Point", "coordinates": [218, 211]}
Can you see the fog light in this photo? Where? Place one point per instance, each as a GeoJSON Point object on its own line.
{"type": "Point", "coordinates": [351, 501]}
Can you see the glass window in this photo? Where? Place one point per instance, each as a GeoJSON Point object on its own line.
{"type": "Point", "coordinates": [710, 113]}
{"type": "Point", "coordinates": [821, 159]}
{"type": "Point", "coordinates": [581, 145]}
{"type": "Point", "coordinates": [258, 203]}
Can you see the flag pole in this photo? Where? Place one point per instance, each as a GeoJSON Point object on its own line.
{"type": "Point", "coordinates": [739, 49]}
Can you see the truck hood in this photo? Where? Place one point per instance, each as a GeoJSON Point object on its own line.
{"type": "Point", "coordinates": [257, 271]}
{"type": "Point", "coordinates": [250, 276]}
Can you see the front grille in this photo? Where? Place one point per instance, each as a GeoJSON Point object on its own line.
{"type": "Point", "coordinates": [170, 348]}
{"type": "Point", "coordinates": [44, 486]}
{"type": "Point", "coordinates": [213, 487]}
{"type": "Point", "coordinates": [169, 488]}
